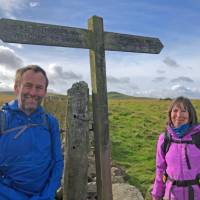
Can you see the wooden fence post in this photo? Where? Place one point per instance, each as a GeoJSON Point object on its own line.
{"type": "Point", "coordinates": [76, 143]}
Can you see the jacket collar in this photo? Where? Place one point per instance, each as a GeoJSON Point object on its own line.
{"type": "Point", "coordinates": [13, 105]}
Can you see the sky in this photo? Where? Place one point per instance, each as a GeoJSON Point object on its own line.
{"type": "Point", "coordinates": [173, 72]}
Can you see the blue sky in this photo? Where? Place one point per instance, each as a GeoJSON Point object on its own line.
{"type": "Point", "coordinates": [173, 72]}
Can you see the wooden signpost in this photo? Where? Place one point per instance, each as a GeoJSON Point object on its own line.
{"type": "Point", "coordinates": [97, 40]}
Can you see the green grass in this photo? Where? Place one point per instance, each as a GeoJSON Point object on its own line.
{"type": "Point", "coordinates": [134, 128]}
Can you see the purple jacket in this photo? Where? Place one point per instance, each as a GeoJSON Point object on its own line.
{"type": "Point", "coordinates": [175, 164]}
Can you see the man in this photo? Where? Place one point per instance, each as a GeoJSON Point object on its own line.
{"type": "Point", "coordinates": [31, 161]}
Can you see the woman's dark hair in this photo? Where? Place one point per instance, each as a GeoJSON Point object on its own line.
{"type": "Point", "coordinates": [187, 104]}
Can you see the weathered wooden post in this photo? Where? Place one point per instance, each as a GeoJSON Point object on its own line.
{"type": "Point", "coordinates": [97, 40]}
{"type": "Point", "coordinates": [76, 139]}
{"type": "Point", "coordinates": [100, 109]}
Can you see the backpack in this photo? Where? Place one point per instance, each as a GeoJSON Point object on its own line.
{"type": "Point", "coordinates": [4, 130]}
{"type": "Point", "coordinates": [168, 140]}
{"type": "Point", "coordinates": [181, 183]}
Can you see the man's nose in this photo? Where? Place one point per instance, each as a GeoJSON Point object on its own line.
{"type": "Point", "coordinates": [33, 91]}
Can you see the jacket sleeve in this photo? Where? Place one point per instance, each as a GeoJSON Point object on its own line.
{"type": "Point", "coordinates": [57, 170]}
{"type": "Point", "coordinates": [159, 187]}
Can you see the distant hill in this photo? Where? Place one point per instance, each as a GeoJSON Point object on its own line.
{"type": "Point", "coordinates": [117, 95]}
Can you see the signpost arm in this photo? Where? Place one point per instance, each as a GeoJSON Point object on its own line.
{"type": "Point", "coordinates": [131, 43]}
{"type": "Point", "coordinates": [100, 109]}
{"type": "Point", "coordinates": [16, 31]}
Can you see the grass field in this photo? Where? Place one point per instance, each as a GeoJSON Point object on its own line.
{"type": "Point", "coordinates": [134, 125]}
{"type": "Point", "coordinates": [134, 128]}
{"type": "Point", "coordinates": [4, 97]}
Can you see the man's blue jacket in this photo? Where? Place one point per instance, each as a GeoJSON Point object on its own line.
{"type": "Point", "coordinates": [31, 160]}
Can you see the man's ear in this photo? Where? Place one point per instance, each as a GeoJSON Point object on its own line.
{"type": "Point", "coordinates": [16, 89]}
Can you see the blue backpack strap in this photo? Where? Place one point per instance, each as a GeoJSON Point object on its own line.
{"type": "Point", "coordinates": [47, 123]}
{"type": "Point", "coordinates": [3, 128]}
{"type": "Point", "coordinates": [2, 121]}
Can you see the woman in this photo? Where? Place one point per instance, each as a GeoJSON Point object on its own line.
{"type": "Point", "coordinates": [178, 155]}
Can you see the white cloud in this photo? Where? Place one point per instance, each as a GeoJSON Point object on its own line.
{"type": "Point", "coordinates": [19, 46]}
{"type": "Point", "coordinates": [9, 59]}
{"type": "Point", "coordinates": [5, 87]}
{"type": "Point", "coordinates": [4, 77]}
{"type": "Point", "coordinates": [185, 91]}
{"type": "Point", "coordinates": [34, 4]}
{"type": "Point", "coordinates": [114, 80]}
{"type": "Point", "coordinates": [173, 92]}
{"type": "Point", "coordinates": [61, 79]}
{"type": "Point", "coordinates": [9, 7]}
{"type": "Point", "coordinates": [57, 73]}
{"type": "Point", "coordinates": [176, 87]}
{"type": "Point", "coordinates": [7, 80]}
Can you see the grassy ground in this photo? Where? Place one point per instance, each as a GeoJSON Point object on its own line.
{"type": "Point", "coordinates": [134, 128]}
